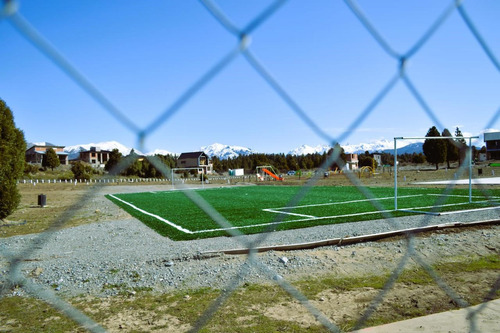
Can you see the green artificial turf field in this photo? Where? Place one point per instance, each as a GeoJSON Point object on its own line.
{"type": "Point", "coordinates": [254, 209]}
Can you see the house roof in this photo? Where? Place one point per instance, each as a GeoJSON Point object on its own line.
{"type": "Point", "coordinates": [491, 136]}
{"type": "Point", "coordinates": [194, 154]}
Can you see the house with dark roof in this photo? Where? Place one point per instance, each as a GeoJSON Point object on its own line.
{"type": "Point", "coordinates": [492, 141]}
{"type": "Point", "coordinates": [34, 154]}
{"type": "Point", "coordinates": [196, 159]}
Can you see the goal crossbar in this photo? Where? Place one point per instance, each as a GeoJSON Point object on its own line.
{"type": "Point", "coordinates": [468, 158]}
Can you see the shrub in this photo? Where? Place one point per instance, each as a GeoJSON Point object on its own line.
{"type": "Point", "coordinates": [30, 169]}
{"type": "Point", "coordinates": [82, 170]}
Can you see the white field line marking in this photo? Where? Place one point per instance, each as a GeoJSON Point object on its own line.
{"type": "Point", "coordinates": [287, 213]}
{"type": "Point", "coordinates": [293, 221]}
{"type": "Point", "coordinates": [307, 217]}
{"type": "Point", "coordinates": [347, 202]}
{"type": "Point", "coordinates": [460, 195]}
{"type": "Point", "coordinates": [278, 210]}
{"type": "Point", "coordinates": [459, 211]}
{"type": "Point", "coordinates": [334, 217]}
{"type": "Point", "coordinates": [469, 210]}
{"type": "Point", "coordinates": [154, 215]}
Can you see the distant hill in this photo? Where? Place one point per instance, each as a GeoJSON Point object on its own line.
{"type": "Point", "coordinates": [416, 147]}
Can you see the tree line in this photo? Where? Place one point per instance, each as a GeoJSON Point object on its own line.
{"type": "Point", "coordinates": [434, 152]}
{"type": "Point", "coordinates": [444, 150]}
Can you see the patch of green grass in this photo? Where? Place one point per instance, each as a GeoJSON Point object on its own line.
{"type": "Point", "coordinates": [468, 265]}
{"type": "Point", "coordinates": [23, 314]}
{"type": "Point", "coordinates": [136, 277]}
{"type": "Point", "coordinates": [110, 286]}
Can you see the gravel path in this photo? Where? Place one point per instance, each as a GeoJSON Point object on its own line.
{"type": "Point", "coordinates": [125, 256]}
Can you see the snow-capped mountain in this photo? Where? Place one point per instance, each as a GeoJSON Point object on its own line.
{"type": "Point", "coordinates": [375, 146]}
{"type": "Point", "coordinates": [31, 144]}
{"type": "Point", "coordinates": [306, 149]}
{"type": "Point", "coordinates": [73, 151]}
{"type": "Point", "coordinates": [224, 151]}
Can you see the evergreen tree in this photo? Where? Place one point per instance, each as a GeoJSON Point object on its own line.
{"type": "Point", "coordinates": [217, 164]}
{"type": "Point", "coordinates": [434, 150]}
{"type": "Point", "coordinates": [461, 145]}
{"type": "Point", "coordinates": [418, 158]}
{"type": "Point", "coordinates": [291, 161]}
{"type": "Point", "coordinates": [12, 150]}
{"type": "Point", "coordinates": [50, 159]}
{"type": "Point", "coordinates": [114, 158]}
{"type": "Point", "coordinates": [342, 157]}
{"type": "Point", "coordinates": [451, 148]}
{"type": "Point", "coordinates": [367, 160]}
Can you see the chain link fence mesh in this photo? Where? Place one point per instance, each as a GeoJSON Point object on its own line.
{"type": "Point", "coordinates": [11, 14]}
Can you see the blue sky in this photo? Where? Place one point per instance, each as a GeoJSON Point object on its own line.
{"type": "Point", "coordinates": [143, 55]}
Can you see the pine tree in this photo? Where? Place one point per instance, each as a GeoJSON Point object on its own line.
{"type": "Point", "coordinates": [50, 159]}
{"type": "Point", "coordinates": [461, 145]}
{"type": "Point", "coordinates": [114, 158]}
{"type": "Point", "coordinates": [12, 151]}
{"type": "Point", "coordinates": [451, 148]}
{"type": "Point", "coordinates": [434, 150]}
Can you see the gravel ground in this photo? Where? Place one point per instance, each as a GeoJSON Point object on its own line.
{"type": "Point", "coordinates": [125, 256]}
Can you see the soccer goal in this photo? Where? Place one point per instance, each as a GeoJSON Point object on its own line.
{"type": "Point", "coordinates": [199, 170]}
{"type": "Point", "coordinates": [467, 161]}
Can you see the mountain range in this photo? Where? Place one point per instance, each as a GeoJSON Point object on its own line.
{"type": "Point", "coordinates": [73, 151]}
{"type": "Point", "coordinates": [380, 146]}
{"type": "Point", "coordinates": [227, 151]}
{"type": "Point", "coordinates": [224, 151]}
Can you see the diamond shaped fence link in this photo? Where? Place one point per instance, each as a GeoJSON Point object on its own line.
{"type": "Point", "coordinates": [15, 277]}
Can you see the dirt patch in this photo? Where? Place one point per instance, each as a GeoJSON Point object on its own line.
{"type": "Point", "coordinates": [144, 321]}
{"type": "Point", "coordinates": [401, 301]}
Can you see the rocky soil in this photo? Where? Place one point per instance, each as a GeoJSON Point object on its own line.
{"type": "Point", "coordinates": [123, 255]}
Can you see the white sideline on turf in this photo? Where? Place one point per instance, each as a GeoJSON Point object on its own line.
{"type": "Point", "coordinates": [474, 181]}
{"type": "Point", "coordinates": [153, 215]}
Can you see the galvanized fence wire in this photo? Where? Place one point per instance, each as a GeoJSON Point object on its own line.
{"type": "Point", "coordinates": [11, 14]}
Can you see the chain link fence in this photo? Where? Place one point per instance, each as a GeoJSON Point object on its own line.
{"type": "Point", "coordinates": [10, 13]}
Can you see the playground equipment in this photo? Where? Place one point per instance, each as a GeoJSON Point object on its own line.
{"type": "Point", "coordinates": [366, 170]}
{"type": "Point", "coordinates": [262, 170]}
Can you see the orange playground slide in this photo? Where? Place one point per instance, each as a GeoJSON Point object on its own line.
{"type": "Point", "coordinates": [272, 174]}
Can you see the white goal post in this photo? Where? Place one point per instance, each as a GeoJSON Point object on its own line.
{"type": "Point", "coordinates": [173, 172]}
{"type": "Point", "coordinates": [468, 157]}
